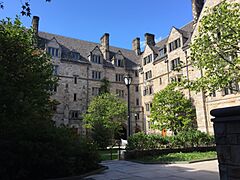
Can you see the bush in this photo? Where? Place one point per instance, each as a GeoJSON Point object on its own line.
{"type": "Point", "coordinates": [141, 141]}
{"type": "Point", "coordinates": [47, 153]}
{"type": "Point", "coordinates": [191, 138]}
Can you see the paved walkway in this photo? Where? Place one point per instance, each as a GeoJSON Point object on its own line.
{"type": "Point", "coordinates": [207, 170]}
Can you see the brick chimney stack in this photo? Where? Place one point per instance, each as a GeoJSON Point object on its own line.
{"type": "Point", "coordinates": [149, 39]}
{"type": "Point", "coordinates": [105, 45]}
{"type": "Point", "coordinates": [197, 6]}
{"type": "Point", "coordinates": [35, 24]}
{"type": "Point", "coordinates": [136, 45]}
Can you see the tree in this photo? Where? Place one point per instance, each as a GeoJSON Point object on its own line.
{"type": "Point", "coordinates": [106, 112]}
{"type": "Point", "coordinates": [31, 146]}
{"type": "Point", "coordinates": [215, 50]}
{"type": "Point", "coordinates": [26, 9]}
{"type": "Point", "coordinates": [171, 110]}
{"type": "Point", "coordinates": [105, 86]}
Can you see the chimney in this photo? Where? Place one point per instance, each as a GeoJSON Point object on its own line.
{"type": "Point", "coordinates": [149, 39]}
{"type": "Point", "coordinates": [136, 46]}
{"type": "Point", "coordinates": [105, 45]}
{"type": "Point", "coordinates": [35, 24]}
{"type": "Point", "coordinates": [197, 6]}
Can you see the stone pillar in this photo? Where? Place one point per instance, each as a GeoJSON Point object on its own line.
{"type": "Point", "coordinates": [149, 39]}
{"type": "Point", "coordinates": [227, 135]}
{"type": "Point", "coordinates": [197, 6]}
{"type": "Point", "coordinates": [136, 46]}
{"type": "Point", "coordinates": [105, 45]}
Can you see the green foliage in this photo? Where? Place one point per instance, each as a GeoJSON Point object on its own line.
{"type": "Point", "coordinates": [141, 141]}
{"type": "Point", "coordinates": [171, 110]}
{"type": "Point", "coordinates": [105, 86]}
{"type": "Point", "coordinates": [215, 50]}
{"type": "Point", "coordinates": [191, 138]}
{"type": "Point", "coordinates": [107, 112]}
{"type": "Point", "coordinates": [31, 147]}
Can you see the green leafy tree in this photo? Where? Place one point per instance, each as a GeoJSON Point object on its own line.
{"type": "Point", "coordinates": [171, 110]}
{"type": "Point", "coordinates": [31, 146]}
{"type": "Point", "coordinates": [215, 50]}
{"type": "Point", "coordinates": [106, 112]}
{"type": "Point", "coordinates": [105, 86]}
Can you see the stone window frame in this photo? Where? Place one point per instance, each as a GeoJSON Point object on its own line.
{"type": "Point", "coordinates": [174, 44]}
{"type": "Point", "coordinates": [54, 52]}
{"type": "Point", "coordinates": [148, 59]}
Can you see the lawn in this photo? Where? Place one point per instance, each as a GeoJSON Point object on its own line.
{"type": "Point", "coordinates": [106, 154]}
{"type": "Point", "coordinates": [178, 157]}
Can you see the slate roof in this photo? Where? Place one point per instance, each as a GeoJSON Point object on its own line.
{"type": "Point", "coordinates": [186, 31]}
{"type": "Point", "coordinates": [85, 47]}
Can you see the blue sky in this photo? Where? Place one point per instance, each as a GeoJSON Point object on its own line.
{"type": "Point", "coordinates": [90, 19]}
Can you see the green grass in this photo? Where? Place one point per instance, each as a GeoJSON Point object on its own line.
{"type": "Point", "coordinates": [106, 155]}
{"type": "Point", "coordinates": [178, 157]}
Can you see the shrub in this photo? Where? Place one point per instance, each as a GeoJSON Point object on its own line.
{"type": "Point", "coordinates": [141, 141]}
{"type": "Point", "coordinates": [191, 138]}
{"type": "Point", "coordinates": [47, 153]}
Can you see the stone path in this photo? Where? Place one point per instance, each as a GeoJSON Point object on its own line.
{"type": "Point", "coordinates": [207, 170]}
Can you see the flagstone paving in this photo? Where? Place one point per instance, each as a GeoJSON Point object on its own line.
{"type": "Point", "coordinates": [120, 170]}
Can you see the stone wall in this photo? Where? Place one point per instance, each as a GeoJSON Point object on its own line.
{"type": "Point", "coordinates": [227, 135]}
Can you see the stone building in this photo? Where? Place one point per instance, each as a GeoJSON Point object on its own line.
{"type": "Point", "coordinates": [81, 65]}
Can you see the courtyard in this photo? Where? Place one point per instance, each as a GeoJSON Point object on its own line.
{"type": "Point", "coordinates": [117, 170]}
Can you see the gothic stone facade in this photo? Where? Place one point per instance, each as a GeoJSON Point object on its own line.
{"type": "Point", "coordinates": [80, 66]}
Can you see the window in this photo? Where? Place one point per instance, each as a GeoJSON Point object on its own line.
{"type": "Point", "coordinates": [137, 116]}
{"type": "Point", "coordinates": [74, 97]}
{"type": "Point", "coordinates": [160, 81]}
{"type": "Point", "coordinates": [95, 91]}
{"type": "Point", "coordinates": [75, 79]}
{"type": "Point", "coordinates": [147, 59]}
{"type": "Point", "coordinates": [55, 70]}
{"type": "Point", "coordinates": [148, 75]}
{"type": "Point", "coordinates": [137, 102]}
{"type": "Point", "coordinates": [176, 79]}
{"type": "Point", "coordinates": [96, 59]}
{"type": "Point", "coordinates": [74, 114]}
{"type": "Point", "coordinates": [174, 45]}
{"type": "Point", "coordinates": [75, 55]}
{"type": "Point", "coordinates": [162, 52]}
{"type": "Point", "coordinates": [120, 93]}
{"type": "Point", "coordinates": [175, 63]}
{"type": "Point", "coordinates": [53, 51]}
{"type": "Point", "coordinates": [96, 75]}
{"type": "Point", "coordinates": [119, 77]}
{"type": "Point", "coordinates": [212, 94]}
{"type": "Point", "coordinates": [136, 88]}
{"type": "Point", "coordinates": [145, 91]}
{"type": "Point", "coordinates": [233, 88]}
{"type": "Point", "coordinates": [136, 73]}
{"type": "Point", "coordinates": [148, 106]}
{"type": "Point", "coordinates": [119, 63]}
{"type": "Point", "coordinates": [150, 89]}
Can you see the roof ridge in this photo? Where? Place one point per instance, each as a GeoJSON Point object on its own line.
{"type": "Point", "coordinates": [97, 44]}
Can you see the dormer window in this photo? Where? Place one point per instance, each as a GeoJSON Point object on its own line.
{"type": "Point", "coordinates": [147, 59]}
{"type": "Point", "coordinates": [75, 55]}
{"type": "Point", "coordinates": [162, 52]}
{"type": "Point", "coordinates": [174, 45]}
{"type": "Point", "coordinates": [53, 51]}
{"type": "Point", "coordinates": [96, 59]}
{"type": "Point", "coordinates": [119, 62]}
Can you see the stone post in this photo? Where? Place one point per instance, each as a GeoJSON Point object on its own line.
{"type": "Point", "coordinates": [227, 136]}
